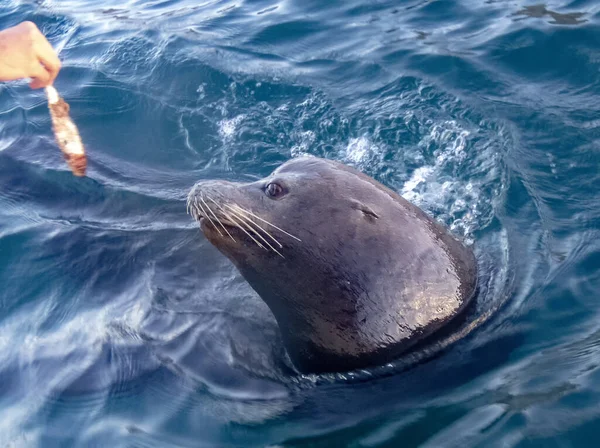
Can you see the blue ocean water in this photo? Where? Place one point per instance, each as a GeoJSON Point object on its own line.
{"type": "Point", "coordinates": [121, 326]}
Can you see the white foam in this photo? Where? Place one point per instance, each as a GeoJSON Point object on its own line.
{"type": "Point", "coordinates": [435, 186]}
{"type": "Point", "coordinates": [359, 149]}
{"type": "Point", "coordinates": [306, 138]}
{"type": "Point", "coordinates": [228, 127]}
{"type": "Point", "coordinates": [418, 178]}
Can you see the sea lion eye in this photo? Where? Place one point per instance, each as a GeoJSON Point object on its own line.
{"type": "Point", "coordinates": [274, 190]}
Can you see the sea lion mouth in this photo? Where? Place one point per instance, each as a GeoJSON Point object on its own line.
{"type": "Point", "coordinates": [203, 217]}
{"type": "Point", "coordinates": [230, 218]}
{"type": "Point", "coordinates": [202, 211]}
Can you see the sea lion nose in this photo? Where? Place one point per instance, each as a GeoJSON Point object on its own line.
{"type": "Point", "coordinates": [214, 189]}
{"type": "Point", "coordinates": [214, 193]}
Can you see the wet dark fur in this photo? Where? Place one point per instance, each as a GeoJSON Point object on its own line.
{"type": "Point", "coordinates": [371, 276]}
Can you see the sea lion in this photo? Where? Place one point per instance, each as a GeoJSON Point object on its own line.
{"type": "Point", "coordinates": [354, 274]}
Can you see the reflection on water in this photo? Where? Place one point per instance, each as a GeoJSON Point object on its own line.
{"type": "Point", "coordinates": [540, 11]}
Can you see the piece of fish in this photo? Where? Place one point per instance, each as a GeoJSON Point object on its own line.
{"type": "Point", "coordinates": [66, 133]}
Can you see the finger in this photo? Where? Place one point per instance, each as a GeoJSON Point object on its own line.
{"type": "Point", "coordinates": [52, 66]}
{"type": "Point", "coordinates": [40, 77]}
{"type": "Point", "coordinates": [47, 56]}
{"type": "Point", "coordinates": [49, 59]}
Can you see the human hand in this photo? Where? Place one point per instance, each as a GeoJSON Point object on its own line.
{"type": "Point", "coordinates": [25, 53]}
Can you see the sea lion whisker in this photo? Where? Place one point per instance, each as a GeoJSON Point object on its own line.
{"type": "Point", "coordinates": [217, 218]}
{"type": "Point", "coordinates": [247, 223]}
{"type": "Point", "coordinates": [256, 225]}
{"type": "Point", "coordinates": [232, 219]}
{"type": "Point", "coordinates": [244, 221]}
{"type": "Point", "coordinates": [207, 215]}
{"type": "Point", "coordinates": [190, 203]}
{"type": "Point", "coordinates": [250, 228]}
{"type": "Point", "coordinates": [195, 211]}
{"type": "Point", "coordinates": [263, 220]}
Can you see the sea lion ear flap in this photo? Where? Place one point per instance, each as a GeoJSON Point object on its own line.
{"type": "Point", "coordinates": [367, 211]}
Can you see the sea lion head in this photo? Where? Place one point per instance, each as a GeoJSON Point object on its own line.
{"type": "Point", "coordinates": [353, 273]}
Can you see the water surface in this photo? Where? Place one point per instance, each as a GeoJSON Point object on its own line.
{"type": "Point", "coordinates": [120, 325]}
